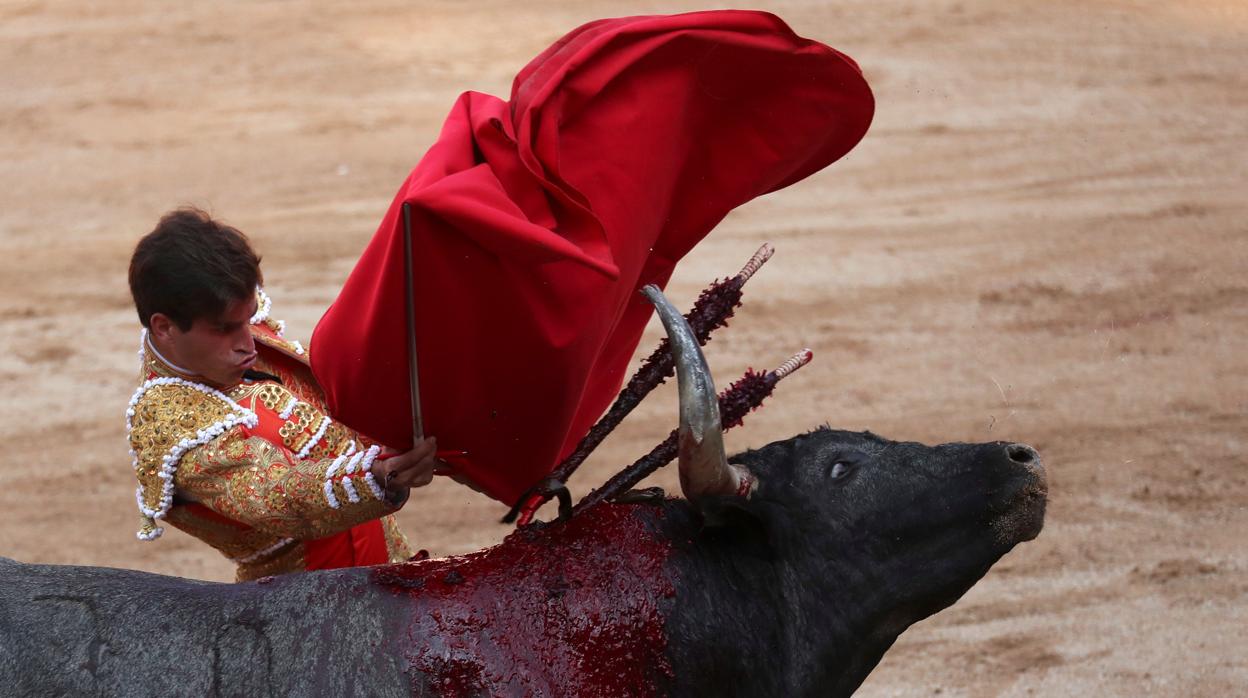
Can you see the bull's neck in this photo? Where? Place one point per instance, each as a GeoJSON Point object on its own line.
{"type": "Point", "coordinates": [767, 621]}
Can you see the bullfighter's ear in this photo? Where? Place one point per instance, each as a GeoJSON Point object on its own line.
{"type": "Point", "coordinates": [729, 520]}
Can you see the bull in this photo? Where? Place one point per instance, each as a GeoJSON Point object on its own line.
{"type": "Point", "coordinates": [788, 570]}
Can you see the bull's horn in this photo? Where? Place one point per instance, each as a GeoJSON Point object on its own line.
{"type": "Point", "coordinates": [704, 469]}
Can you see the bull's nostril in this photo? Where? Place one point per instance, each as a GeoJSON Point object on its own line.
{"type": "Point", "coordinates": [1021, 454]}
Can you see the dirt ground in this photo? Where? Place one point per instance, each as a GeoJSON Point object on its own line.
{"type": "Point", "coordinates": [1041, 239]}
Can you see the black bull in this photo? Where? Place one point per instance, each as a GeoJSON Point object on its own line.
{"type": "Point", "coordinates": [797, 591]}
{"type": "Point", "coordinates": [844, 541]}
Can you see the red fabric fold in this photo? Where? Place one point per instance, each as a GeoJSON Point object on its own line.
{"type": "Point", "coordinates": [358, 546]}
{"type": "Point", "coordinates": [537, 220]}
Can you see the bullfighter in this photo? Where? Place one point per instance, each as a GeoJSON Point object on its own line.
{"type": "Point", "coordinates": [228, 430]}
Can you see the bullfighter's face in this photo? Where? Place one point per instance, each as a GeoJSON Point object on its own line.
{"type": "Point", "coordinates": [219, 349]}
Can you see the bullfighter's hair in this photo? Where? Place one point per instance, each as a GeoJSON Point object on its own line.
{"type": "Point", "coordinates": [190, 267]}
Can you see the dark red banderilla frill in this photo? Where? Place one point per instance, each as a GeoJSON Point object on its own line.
{"type": "Point", "coordinates": [737, 401]}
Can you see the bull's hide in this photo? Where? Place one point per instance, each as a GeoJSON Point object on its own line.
{"type": "Point", "coordinates": [97, 631]}
{"type": "Point", "coordinates": [581, 603]}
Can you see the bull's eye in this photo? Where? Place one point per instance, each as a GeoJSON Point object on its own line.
{"type": "Point", "coordinates": [843, 462]}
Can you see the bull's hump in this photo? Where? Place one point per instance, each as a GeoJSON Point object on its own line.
{"type": "Point", "coordinates": [575, 603]}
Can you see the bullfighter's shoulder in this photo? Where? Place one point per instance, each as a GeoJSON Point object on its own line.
{"type": "Point", "coordinates": [167, 418]}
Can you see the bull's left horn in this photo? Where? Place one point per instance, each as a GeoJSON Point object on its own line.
{"type": "Point", "coordinates": [704, 469]}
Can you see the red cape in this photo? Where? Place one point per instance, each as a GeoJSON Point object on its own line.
{"type": "Point", "coordinates": [536, 221]}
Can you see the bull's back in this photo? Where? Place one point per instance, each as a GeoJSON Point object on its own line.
{"type": "Point", "coordinates": [573, 608]}
{"type": "Point", "coordinates": [95, 631]}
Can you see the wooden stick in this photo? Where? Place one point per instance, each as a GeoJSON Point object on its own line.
{"type": "Point", "coordinates": [418, 423]}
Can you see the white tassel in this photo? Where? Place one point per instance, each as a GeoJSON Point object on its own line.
{"type": "Point", "coordinates": [361, 461]}
{"type": "Point", "coordinates": [333, 467]}
{"type": "Point", "coordinates": [153, 535]}
{"type": "Point", "coordinates": [353, 463]}
{"type": "Point", "coordinates": [373, 486]}
{"type": "Point", "coordinates": [307, 448]}
{"type": "Point", "coordinates": [350, 490]}
{"type": "Point", "coordinates": [262, 310]}
{"type": "Point", "coordinates": [329, 479]}
{"type": "Point", "coordinates": [142, 349]}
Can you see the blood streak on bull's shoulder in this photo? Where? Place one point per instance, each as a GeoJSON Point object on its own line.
{"type": "Point", "coordinates": [579, 603]}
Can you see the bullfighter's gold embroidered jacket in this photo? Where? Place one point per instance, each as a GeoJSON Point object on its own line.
{"type": "Point", "coordinates": [255, 470]}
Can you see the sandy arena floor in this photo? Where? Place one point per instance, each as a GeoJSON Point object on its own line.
{"type": "Point", "coordinates": [1041, 239]}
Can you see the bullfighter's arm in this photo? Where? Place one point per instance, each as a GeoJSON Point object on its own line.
{"type": "Point", "coordinates": [251, 480]}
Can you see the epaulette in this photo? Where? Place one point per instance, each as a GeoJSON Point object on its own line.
{"type": "Point", "coordinates": [269, 331]}
{"type": "Point", "coordinates": [168, 417]}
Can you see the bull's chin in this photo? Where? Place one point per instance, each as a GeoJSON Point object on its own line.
{"type": "Point", "coordinates": [1023, 518]}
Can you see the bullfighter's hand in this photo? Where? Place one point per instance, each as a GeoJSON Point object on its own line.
{"type": "Point", "coordinates": [401, 471]}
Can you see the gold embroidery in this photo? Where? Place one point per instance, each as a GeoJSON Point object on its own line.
{"type": "Point", "coordinates": [397, 546]}
{"type": "Point", "coordinates": [301, 426]}
{"type": "Point", "coordinates": [234, 541]}
{"type": "Point", "coordinates": [287, 560]}
{"type": "Point", "coordinates": [272, 396]}
{"type": "Point", "coordinates": [275, 325]}
{"type": "Point", "coordinates": [291, 349]}
{"type": "Point", "coordinates": [252, 481]}
{"type": "Point", "coordinates": [304, 422]}
{"type": "Point", "coordinates": [337, 439]}
{"type": "Point", "coordinates": [271, 494]}
{"type": "Point", "coordinates": [164, 417]}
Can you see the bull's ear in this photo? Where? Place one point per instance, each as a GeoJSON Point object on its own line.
{"type": "Point", "coordinates": [729, 520]}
